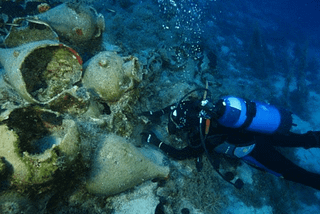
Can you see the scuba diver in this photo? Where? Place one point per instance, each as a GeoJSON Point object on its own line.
{"type": "Point", "coordinates": [237, 128]}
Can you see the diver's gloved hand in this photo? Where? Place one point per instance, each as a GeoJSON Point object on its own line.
{"type": "Point", "coordinates": [150, 138]}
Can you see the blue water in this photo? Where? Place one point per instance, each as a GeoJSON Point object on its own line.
{"type": "Point", "coordinates": [303, 14]}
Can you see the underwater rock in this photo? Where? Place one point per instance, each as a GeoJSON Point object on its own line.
{"type": "Point", "coordinates": [74, 22]}
{"type": "Point", "coordinates": [155, 63]}
{"type": "Point", "coordinates": [12, 202]}
{"type": "Point", "coordinates": [175, 57]}
{"type": "Point", "coordinates": [141, 200]}
{"type": "Point", "coordinates": [35, 145]}
{"type": "Point", "coordinates": [40, 71]}
{"type": "Point", "coordinates": [119, 166]}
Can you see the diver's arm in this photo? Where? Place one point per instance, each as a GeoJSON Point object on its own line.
{"type": "Point", "coordinates": [178, 154]}
{"type": "Point", "coordinates": [155, 115]}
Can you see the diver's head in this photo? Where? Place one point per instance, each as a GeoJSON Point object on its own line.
{"type": "Point", "coordinates": [183, 117]}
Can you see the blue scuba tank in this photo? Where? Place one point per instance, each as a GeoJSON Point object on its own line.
{"type": "Point", "coordinates": [253, 116]}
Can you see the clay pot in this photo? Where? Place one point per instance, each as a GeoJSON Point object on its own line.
{"type": "Point", "coordinates": [25, 30]}
{"type": "Point", "coordinates": [37, 143]}
{"type": "Point", "coordinates": [111, 75]}
{"type": "Point", "coordinates": [40, 71]}
{"type": "Point", "coordinates": [74, 22]}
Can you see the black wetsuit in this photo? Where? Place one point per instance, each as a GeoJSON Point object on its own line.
{"type": "Point", "coordinates": [263, 151]}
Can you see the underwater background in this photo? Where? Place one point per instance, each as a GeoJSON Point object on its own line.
{"type": "Point", "coordinates": [260, 50]}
